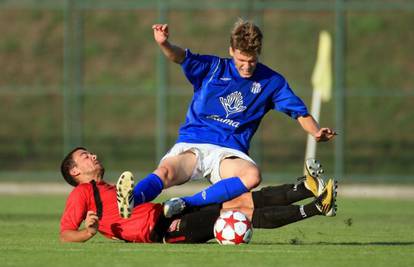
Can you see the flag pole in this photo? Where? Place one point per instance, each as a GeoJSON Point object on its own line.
{"type": "Point", "coordinates": [322, 85]}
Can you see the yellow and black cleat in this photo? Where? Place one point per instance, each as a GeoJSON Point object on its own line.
{"type": "Point", "coordinates": [124, 195]}
{"type": "Point", "coordinates": [326, 202]}
{"type": "Point", "coordinates": [314, 181]}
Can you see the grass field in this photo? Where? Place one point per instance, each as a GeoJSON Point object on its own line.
{"type": "Point", "coordinates": [365, 233]}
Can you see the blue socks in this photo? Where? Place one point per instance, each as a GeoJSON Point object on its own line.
{"type": "Point", "coordinates": [219, 192]}
{"type": "Point", "coordinates": [147, 189]}
{"type": "Point", "coordinates": [151, 186]}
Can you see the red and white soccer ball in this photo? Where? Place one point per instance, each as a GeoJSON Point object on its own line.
{"type": "Point", "coordinates": [232, 228]}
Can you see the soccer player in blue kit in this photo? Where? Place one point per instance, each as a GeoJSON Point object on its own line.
{"type": "Point", "coordinates": [231, 96]}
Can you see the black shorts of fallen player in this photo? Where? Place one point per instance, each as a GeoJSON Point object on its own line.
{"type": "Point", "coordinates": [195, 225]}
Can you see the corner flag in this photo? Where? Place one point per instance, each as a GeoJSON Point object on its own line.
{"type": "Point", "coordinates": [322, 85]}
{"type": "Point", "coordinates": [322, 73]}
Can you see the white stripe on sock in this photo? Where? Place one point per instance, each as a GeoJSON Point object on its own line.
{"type": "Point", "coordinates": [302, 211]}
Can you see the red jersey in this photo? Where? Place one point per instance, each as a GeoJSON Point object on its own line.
{"type": "Point", "coordinates": [137, 228]}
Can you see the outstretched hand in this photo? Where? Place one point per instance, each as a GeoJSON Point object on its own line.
{"type": "Point", "coordinates": [160, 33]}
{"type": "Point", "coordinates": [325, 134]}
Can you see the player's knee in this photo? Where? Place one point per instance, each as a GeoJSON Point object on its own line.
{"type": "Point", "coordinates": [167, 174]}
{"type": "Point", "coordinates": [251, 178]}
{"type": "Point", "coordinates": [242, 201]}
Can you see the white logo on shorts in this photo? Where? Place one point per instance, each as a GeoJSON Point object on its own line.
{"type": "Point", "coordinates": [233, 103]}
{"type": "Point", "coordinates": [256, 88]}
{"type": "Point", "coordinates": [204, 194]}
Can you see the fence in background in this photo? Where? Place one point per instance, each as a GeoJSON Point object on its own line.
{"type": "Point", "coordinates": [88, 73]}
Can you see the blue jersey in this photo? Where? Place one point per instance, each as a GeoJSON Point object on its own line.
{"type": "Point", "coordinates": [226, 109]}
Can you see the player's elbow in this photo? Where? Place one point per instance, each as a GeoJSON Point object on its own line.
{"type": "Point", "coordinates": [177, 59]}
{"type": "Point", "coordinates": [69, 236]}
{"type": "Point", "coordinates": [178, 55]}
{"type": "Point", "coordinates": [63, 238]}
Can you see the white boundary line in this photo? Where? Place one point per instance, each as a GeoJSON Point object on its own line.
{"type": "Point", "coordinates": [352, 191]}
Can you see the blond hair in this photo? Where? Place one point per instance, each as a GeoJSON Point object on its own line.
{"type": "Point", "coordinates": [246, 37]}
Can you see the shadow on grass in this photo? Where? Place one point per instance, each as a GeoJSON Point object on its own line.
{"type": "Point", "coordinates": [301, 243]}
{"type": "Point", "coordinates": [213, 243]}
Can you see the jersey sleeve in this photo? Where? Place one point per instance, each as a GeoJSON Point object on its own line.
{"type": "Point", "coordinates": [75, 210]}
{"type": "Point", "coordinates": [285, 100]}
{"type": "Point", "coordinates": [196, 67]}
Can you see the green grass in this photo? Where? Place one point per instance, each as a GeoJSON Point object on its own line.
{"type": "Point", "coordinates": [365, 233]}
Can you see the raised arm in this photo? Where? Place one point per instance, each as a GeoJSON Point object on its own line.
{"type": "Point", "coordinates": [91, 228]}
{"type": "Point", "coordinates": [309, 124]}
{"type": "Point", "coordinates": [172, 52]}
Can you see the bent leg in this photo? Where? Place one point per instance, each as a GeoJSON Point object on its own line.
{"type": "Point", "coordinates": [217, 193]}
{"type": "Point", "coordinates": [245, 170]}
{"type": "Point", "coordinates": [173, 170]}
{"type": "Point", "coordinates": [176, 170]}
{"type": "Point", "coordinates": [241, 174]}
{"type": "Point", "coordinates": [269, 196]}
{"type": "Point", "coordinates": [147, 189]}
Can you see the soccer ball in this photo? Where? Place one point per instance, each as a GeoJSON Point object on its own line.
{"type": "Point", "coordinates": [232, 228]}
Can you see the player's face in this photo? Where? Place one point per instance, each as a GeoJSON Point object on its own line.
{"type": "Point", "coordinates": [87, 164]}
{"type": "Point", "coordinates": [245, 63]}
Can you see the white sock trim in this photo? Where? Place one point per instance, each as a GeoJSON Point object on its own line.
{"type": "Point", "coordinates": [302, 211]}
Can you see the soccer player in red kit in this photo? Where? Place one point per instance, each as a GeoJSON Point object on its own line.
{"type": "Point", "coordinates": [83, 170]}
{"type": "Point", "coordinates": [95, 202]}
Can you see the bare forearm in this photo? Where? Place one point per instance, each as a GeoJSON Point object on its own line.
{"type": "Point", "coordinates": [173, 52]}
{"type": "Point", "coordinates": [309, 124]}
{"type": "Point", "coordinates": [75, 235]}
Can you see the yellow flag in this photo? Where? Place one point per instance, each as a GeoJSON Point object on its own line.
{"type": "Point", "coordinates": [322, 73]}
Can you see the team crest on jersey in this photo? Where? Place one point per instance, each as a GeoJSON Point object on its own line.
{"type": "Point", "coordinates": [233, 103]}
{"type": "Point", "coordinates": [256, 88]}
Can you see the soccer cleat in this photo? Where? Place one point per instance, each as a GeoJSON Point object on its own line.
{"type": "Point", "coordinates": [313, 180]}
{"type": "Point", "coordinates": [124, 196]}
{"type": "Point", "coordinates": [173, 207]}
{"type": "Point", "coordinates": [325, 203]}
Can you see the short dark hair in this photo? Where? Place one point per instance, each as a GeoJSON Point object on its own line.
{"type": "Point", "coordinates": [246, 37]}
{"type": "Point", "coordinates": [67, 164]}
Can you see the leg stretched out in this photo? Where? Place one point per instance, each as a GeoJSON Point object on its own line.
{"type": "Point", "coordinates": [196, 225]}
